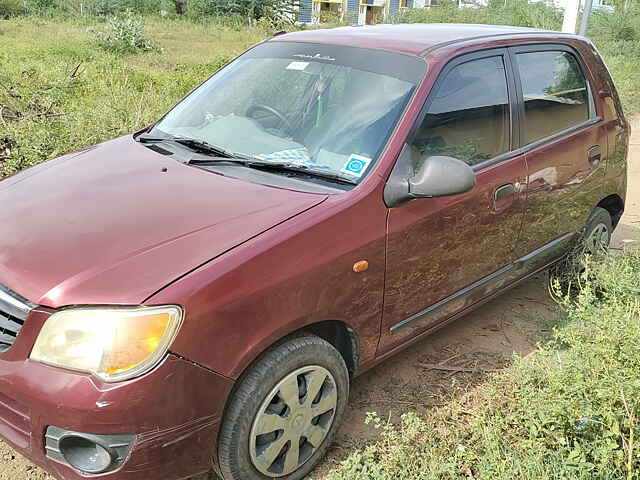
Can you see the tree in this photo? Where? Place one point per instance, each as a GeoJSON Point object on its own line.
{"type": "Point", "coordinates": [181, 6]}
{"type": "Point", "coordinates": [255, 9]}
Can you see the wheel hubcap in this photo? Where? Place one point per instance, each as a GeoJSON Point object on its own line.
{"type": "Point", "coordinates": [293, 421]}
{"type": "Point", "coordinates": [597, 242]}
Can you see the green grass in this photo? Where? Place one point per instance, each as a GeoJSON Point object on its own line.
{"type": "Point", "coordinates": [60, 92]}
{"type": "Point", "coordinates": [568, 411]}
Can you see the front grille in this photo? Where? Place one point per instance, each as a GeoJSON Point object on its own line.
{"type": "Point", "coordinates": [14, 310]}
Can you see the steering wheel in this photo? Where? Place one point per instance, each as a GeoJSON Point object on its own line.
{"type": "Point", "coordinates": [284, 121]}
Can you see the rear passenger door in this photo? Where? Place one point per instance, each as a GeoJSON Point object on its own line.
{"type": "Point", "coordinates": [565, 145]}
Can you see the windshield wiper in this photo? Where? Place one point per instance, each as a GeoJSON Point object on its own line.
{"type": "Point", "coordinates": [316, 172]}
{"type": "Point", "coordinates": [278, 166]}
{"type": "Point", "coordinates": [218, 155]}
{"type": "Point", "coordinates": [146, 138]}
{"type": "Point", "coordinates": [192, 143]}
{"type": "Point", "coordinates": [203, 147]}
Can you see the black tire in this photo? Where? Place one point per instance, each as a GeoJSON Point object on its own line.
{"type": "Point", "coordinates": [599, 216]}
{"type": "Point", "coordinates": [565, 273]}
{"type": "Point", "coordinates": [258, 383]}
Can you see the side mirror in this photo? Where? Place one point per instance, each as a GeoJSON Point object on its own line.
{"type": "Point", "coordinates": [440, 176]}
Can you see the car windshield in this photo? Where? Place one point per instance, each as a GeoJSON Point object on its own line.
{"type": "Point", "coordinates": [322, 107]}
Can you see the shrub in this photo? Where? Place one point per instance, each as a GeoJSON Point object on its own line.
{"type": "Point", "coordinates": [447, 12]}
{"type": "Point", "coordinates": [614, 26]}
{"type": "Point", "coordinates": [617, 36]}
{"type": "Point", "coordinates": [146, 6]}
{"type": "Point", "coordinates": [104, 7]}
{"type": "Point", "coordinates": [499, 12]}
{"type": "Point", "coordinates": [124, 34]}
{"type": "Point", "coordinates": [9, 8]}
{"type": "Point", "coordinates": [569, 411]}
{"type": "Point", "coordinates": [525, 14]}
{"type": "Point", "coordinates": [39, 6]}
{"type": "Point", "coordinates": [253, 9]}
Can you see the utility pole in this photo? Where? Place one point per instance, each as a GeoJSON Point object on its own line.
{"type": "Point", "coordinates": [584, 25]}
{"type": "Point", "coordinates": [570, 16]}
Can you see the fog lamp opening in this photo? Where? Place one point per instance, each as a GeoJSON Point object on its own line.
{"type": "Point", "coordinates": [85, 454]}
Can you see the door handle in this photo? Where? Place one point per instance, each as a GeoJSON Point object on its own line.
{"type": "Point", "coordinates": [594, 155]}
{"type": "Point", "coordinates": [504, 191]}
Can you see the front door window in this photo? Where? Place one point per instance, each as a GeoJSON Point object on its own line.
{"type": "Point", "coordinates": [469, 115]}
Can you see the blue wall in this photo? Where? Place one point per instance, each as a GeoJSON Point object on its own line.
{"type": "Point", "coordinates": [306, 11]}
{"type": "Point", "coordinates": [394, 7]}
{"type": "Point", "coordinates": [353, 7]}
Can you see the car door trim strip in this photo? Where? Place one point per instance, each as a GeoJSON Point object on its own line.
{"type": "Point", "coordinates": [523, 263]}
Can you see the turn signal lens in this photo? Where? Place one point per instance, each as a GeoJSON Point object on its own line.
{"type": "Point", "coordinates": [114, 344]}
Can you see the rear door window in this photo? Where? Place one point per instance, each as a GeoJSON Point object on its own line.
{"type": "Point", "coordinates": [555, 91]}
{"type": "Point", "coordinates": [469, 117]}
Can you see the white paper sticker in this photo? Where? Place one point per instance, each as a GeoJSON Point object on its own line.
{"type": "Point", "coordinates": [297, 65]}
{"type": "Point", "coordinates": [356, 165]}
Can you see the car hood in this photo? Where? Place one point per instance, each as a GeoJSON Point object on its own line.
{"type": "Point", "coordinates": [118, 222]}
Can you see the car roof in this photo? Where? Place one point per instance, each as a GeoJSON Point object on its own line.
{"type": "Point", "coordinates": [414, 38]}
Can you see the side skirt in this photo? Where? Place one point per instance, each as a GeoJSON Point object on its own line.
{"type": "Point", "coordinates": [497, 281]}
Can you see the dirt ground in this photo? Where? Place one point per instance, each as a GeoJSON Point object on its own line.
{"type": "Point", "coordinates": [484, 339]}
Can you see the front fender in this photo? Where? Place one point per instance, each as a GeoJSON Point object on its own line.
{"type": "Point", "coordinates": [292, 276]}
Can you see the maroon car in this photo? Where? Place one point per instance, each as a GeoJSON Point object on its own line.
{"type": "Point", "coordinates": [197, 295]}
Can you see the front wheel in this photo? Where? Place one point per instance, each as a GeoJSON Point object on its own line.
{"type": "Point", "coordinates": [284, 412]}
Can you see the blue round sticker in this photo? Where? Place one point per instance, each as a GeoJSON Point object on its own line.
{"type": "Point", "coordinates": [356, 165]}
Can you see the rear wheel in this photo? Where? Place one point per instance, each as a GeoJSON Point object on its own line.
{"type": "Point", "coordinates": [284, 412]}
{"type": "Point", "coordinates": [593, 242]}
{"type": "Point", "coordinates": [598, 235]}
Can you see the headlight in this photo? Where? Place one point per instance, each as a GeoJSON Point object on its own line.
{"type": "Point", "coordinates": [113, 343]}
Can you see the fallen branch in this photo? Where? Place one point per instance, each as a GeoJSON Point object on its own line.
{"type": "Point", "coordinates": [433, 366]}
{"type": "Point", "coordinates": [77, 71]}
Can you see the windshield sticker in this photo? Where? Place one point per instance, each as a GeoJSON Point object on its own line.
{"type": "Point", "coordinates": [356, 165]}
{"type": "Point", "coordinates": [297, 65]}
{"type": "Point", "coordinates": [317, 56]}
{"type": "Point", "coordinates": [294, 155]}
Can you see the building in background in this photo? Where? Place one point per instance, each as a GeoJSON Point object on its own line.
{"type": "Point", "coordinates": [369, 12]}
{"type": "Point", "coordinates": [356, 12]}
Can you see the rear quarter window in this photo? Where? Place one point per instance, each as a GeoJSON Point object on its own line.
{"type": "Point", "coordinates": [555, 90]}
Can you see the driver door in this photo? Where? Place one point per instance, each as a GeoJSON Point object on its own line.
{"type": "Point", "coordinates": [444, 254]}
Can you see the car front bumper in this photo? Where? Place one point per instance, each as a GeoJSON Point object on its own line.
{"type": "Point", "coordinates": [174, 412]}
